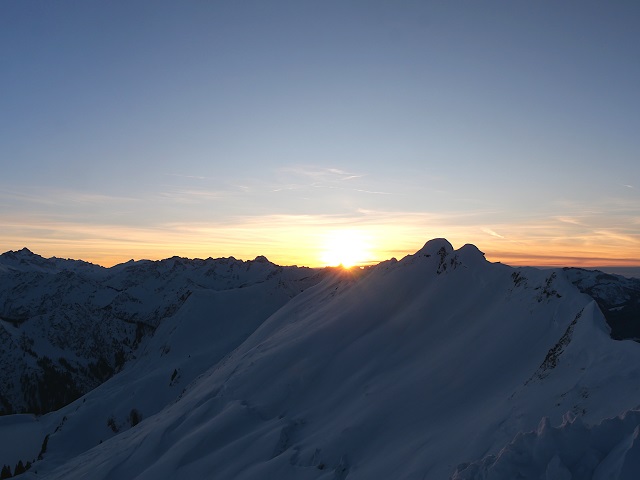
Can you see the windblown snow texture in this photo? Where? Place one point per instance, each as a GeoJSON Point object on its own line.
{"type": "Point", "coordinates": [441, 364]}
{"type": "Point", "coordinates": [608, 450]}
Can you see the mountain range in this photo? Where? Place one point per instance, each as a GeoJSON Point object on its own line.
{"type": "Point", "coordinates": [439, 365]}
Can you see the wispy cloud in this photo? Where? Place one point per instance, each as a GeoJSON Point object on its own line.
{"type": "Point", "coordinates": [194, 177]}
{"type": "Point", "coordinates": [492, 233]}
{"type": "Point", "coordinates": [49, 196]}
{"type": "Point", "coordinates": [373, 192]}
{"type": "Point", "coordinates": [571, 220]}
{"type": "Point", "coordinates": [320, 173]}
{"type": "Point", "coordinates": [193, 196]}
{"type": "Point", "coordinates": [359, 190]}
{"type": "Point", "coordinates": [617, 236]}
{"type": "Point", "coordinates": [306, 178]}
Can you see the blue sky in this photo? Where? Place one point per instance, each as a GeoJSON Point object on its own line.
{"type": "Point", "coordinates": [148, 129]}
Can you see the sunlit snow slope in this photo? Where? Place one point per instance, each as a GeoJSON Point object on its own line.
{"type": "Point", "coordinates": [426, 368]}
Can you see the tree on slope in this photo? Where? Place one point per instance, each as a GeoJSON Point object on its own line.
{"type": "Point", "coordinates": [6, 472]}
{"type": "Point", "coordinates": [19, 468]}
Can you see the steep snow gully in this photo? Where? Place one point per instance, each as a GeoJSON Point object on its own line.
{"type": "Point", "coordinates": [439, 365]}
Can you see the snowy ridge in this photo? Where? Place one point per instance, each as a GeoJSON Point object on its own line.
{"type": "Point", "coordinates": [418, 368]}
{"type": "Point", "coordinates": [608, 450]}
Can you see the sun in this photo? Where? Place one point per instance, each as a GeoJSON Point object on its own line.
{"type": "Point", "coordinates": [346, 248]}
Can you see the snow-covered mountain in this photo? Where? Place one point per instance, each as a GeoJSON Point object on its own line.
{"type": "Point", "coordinates": [439, 365]}
{"type": "Point", "coordinates": [66, 325]}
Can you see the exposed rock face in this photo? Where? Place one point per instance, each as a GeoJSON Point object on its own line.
{"type": "Point", "coordinates": [618, 297]}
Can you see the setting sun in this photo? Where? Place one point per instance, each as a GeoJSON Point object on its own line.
{"type": "Point", "coordinates": [346, 248]}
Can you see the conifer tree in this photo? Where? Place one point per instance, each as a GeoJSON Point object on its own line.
{"type": "Point", "coordinates": [19, 468]}
{"type": "Point", "coordinates": [6, 472]}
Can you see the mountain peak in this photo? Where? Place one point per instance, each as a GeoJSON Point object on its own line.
{"type": "Point", "coordinates": [433, 247]}
{"type": "Point", "coordinates": [261, 259]}
{"type": "Point", "coordinates": [470, 254]}
{"type": "Point", "coordinates": [22, 254]}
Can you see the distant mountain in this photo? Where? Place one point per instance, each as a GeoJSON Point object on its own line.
{"type": "Point", "coordinates": [439, 365]}
{"type": "Point", "coordinates": [66, 325]}
{"type": "Point", "coordinates": [618, 298]}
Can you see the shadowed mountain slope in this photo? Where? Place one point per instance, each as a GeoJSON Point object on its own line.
{"type": "Point", "coordinates": [418, 368]}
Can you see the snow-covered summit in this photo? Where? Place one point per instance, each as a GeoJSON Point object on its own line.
{"type": "Point", "coordinates": [471, 255]}
{"type": "Point", "coordinates": [436, 246]}
{"type": "Point", "coordinates": [25, 260]}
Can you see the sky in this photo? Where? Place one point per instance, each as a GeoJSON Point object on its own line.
{"type": "Point", "coordinates": [292, 129]}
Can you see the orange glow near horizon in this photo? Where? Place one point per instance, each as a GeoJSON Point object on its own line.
{"type": "Point", "coordinates": [318, 241]}
{"type": "Point", "coordinates": [107, 256]}
{"type": "Point", "coordinates": [347, 255]}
